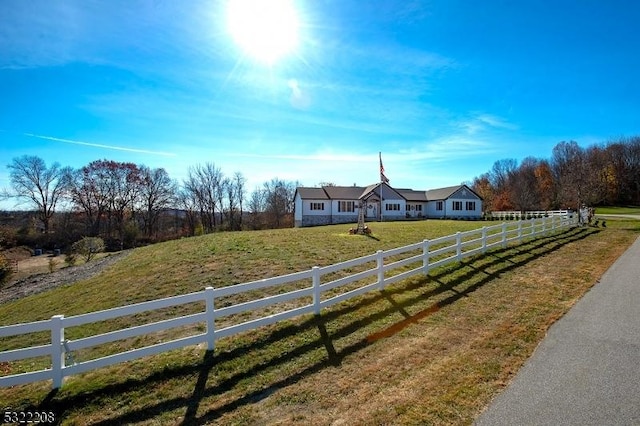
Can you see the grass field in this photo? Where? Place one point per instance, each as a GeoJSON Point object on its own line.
{"type": "Point", "coordinates": [428, 350]}
{"type": "Point", "coordinates": [618, 210]}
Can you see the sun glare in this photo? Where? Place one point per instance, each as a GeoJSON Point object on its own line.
{"type": "Point", "coordinates": [266, 30]}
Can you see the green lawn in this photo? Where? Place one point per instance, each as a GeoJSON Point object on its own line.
{"type": "Point", "coordinates": [222, 259]}
{"type": "Point", "coordinates": [427, 350]}
{"type": "Point", "coordinates": [618, 210]}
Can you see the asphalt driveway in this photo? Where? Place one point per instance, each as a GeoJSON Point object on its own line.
{"type": "Point", "coordinates": [587, 369]}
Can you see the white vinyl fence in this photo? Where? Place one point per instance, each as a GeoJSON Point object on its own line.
{"type": "Point", "coordinates": [531, 214]}
{"type": "Point", "coordinates": [375, 271]}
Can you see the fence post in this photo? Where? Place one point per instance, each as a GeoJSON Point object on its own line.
{"type": "Point", "coordinates": [458, 246]}
{"type": "Point", "coordinates": [315, 279]}
{"type": "Point", "coordinates": [520, 232]}
{"type": "Point", "coordinates": [380, 265]}
{"type": "Point", "coordinates": [209, 295]}
{"type": "Point", "coordinates": [57, 350]}
{"type": "Point", "coordinates": [425, 257]}
{"type": "Point", "coordinates": [504, 235]}
{"type": "Point", "coordinates": [484, 239]}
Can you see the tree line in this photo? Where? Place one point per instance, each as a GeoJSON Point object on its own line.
{"type": "Point", "coordinates": [125, 203]}
{"type": "Point", "coordinates": [601, 174]}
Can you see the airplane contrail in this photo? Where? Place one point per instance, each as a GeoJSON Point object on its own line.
{"type": "Point", "coordinates": [97, 145]}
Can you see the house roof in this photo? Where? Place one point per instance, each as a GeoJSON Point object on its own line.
{"type": "Point", "coordinates": [359, 192]}
{"type": "Point", "coordinates": [441, 193]}
{"type": "Point", "coordinates": [343, 192]}
{"type": "Point", "coordinates": [412, 195]}
{"type": "Point", "coordinates": [375, 189]}
{"type": "Point", "coordinates": [312, 193]}
{"type": "Point", "coordinates": [368, 191]}
{"type": "Point", "coordinates": [445, 193]}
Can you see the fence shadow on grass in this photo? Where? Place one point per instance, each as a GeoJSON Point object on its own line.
{"type": "Point", "coordinates": [527, 252]}
{"type": "Point", "coordinates": [448, 280]}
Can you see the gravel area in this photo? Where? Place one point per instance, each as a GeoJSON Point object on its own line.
{"type": "Point", "coordinates": [43, 282]}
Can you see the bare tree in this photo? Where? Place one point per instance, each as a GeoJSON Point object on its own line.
{"type": "Point", "coordinates": [125, 182]}
{"type": "Point", "coordinates": [90, 192]}
{"type": "Point", "coordinates": [568, 165]}
{"type": "Point", "coordinates": [597, 171]}
{"type": "Point", "coordinates": [481, 185]}
{"type": "Point", "coordinates": [617, 181]}
{"type": "Point", "coordinates": [499, 176]}
{"type": "Point", "coordinates": [204, 187]}
{"type": "Point", "coordinates": [501, 172]}
{"type": "Point", "coordinates": [40, 185]}
{"type": "Point", "coordinates": [230, 210]}
{"type": "Point", "coordinates": [524, 192]}
{"type": "Point", "coordinates": [545, 185]}
{"type": "Point", "coordinates": [279, 201]}
{"type": "Point", "coordinates": [239, 182]}
{"type": "Point", "coordinates": [234, 189]}
{"type": "Point", "coordinates": [106, 191]}
{"type": "Point", "coordinates": [623, 176]}
{"type": "Point", "coordinates": [256, 207]}
{"type": "Point", "coordinates": [157, 193]}
{"type": "Point", "coordinates": [189, 204]}
{"type": "Point", "coordinates": [4, 194]}
{"type": "Point", "coordinates": [599, 174]}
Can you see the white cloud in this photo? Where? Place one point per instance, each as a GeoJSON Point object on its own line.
{"type": "Point", "coordinates": [482, 122]}
{"type": "Point", "coordinates": [349, 157]}
{"type": "Point", "coordinates": [496, 122]}
{"type": "Point", "coordinates": [300, 98]}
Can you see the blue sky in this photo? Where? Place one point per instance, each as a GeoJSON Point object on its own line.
{"type": "Point", "coordinates": [442, 88]}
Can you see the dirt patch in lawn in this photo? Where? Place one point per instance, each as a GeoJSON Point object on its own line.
{"type": "Point", "coordinates": [37, 282]}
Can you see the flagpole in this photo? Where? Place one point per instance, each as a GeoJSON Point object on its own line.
{"type": "Point", "coordinates": [381, 184]}
{"type": "Point", "coordinates": [381, 209]}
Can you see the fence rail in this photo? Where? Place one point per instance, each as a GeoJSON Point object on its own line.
{"type": "Point", "coordinates": [376, 271]}
{"type": "Point", "coordinates": [532, 214]}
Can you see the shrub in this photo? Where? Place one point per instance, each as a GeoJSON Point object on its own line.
{"type": "Point", "coordinates": [8, 237]}
{"type": "Point", "coordinates": [70, 258]}
{"type": "Point", "coordinates": [129, 235]}
{"type": "Point", "coordinates": [5, 268]}
{"type": "Point", "coordinates": [52, 265]}
{"type": "Point", "coordinates": [88, 247]}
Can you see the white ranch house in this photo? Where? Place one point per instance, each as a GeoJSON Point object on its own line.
{"type": "Point", "coordinates": [339, 204]}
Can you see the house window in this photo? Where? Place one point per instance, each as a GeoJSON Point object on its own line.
{"type": "Point", "coordinates": [439, 205]}
{"type": "Point", "coordinates": [471, 205]}
{"type": "Point", "coordinates": [457, 205]}
{"type": "Point", "coordinates": [419, 207]}
{"type": "Point", "coordinates": [346, 206]}
{"type": "Point", "coordinates": [317, 206]}
{"type": "Point", "coordinates": [392, 206]}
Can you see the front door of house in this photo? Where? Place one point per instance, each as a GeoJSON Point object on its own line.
{"type": "Point", "coordinates": [373, 210]}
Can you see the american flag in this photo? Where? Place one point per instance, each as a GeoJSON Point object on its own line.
{"type": "Point", "coordinates": [383, 178]}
